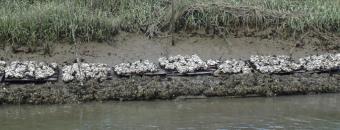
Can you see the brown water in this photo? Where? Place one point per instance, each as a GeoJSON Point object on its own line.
{"type": "Point", "coordinates": [292, 112]}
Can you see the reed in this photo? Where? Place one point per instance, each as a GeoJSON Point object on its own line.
{"type": "Point", "coordinates": [33, 22]}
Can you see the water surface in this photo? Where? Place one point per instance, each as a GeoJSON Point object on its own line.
{"type": "Point", "coordinates": [291, 112]}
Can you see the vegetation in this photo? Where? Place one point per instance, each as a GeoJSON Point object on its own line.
{"type": "Point", "coordinates": [29, 22]}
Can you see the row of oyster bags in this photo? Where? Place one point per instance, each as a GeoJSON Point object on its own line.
{"type": "Point", "coordinates": [32, 70]}
{"type": "Point", "coordinates": [29, 70]}
{"type": "Point", "coordinates": [264, 64]}
{"type": "Point", "coordinates": [179, 64]}
{"type": "Point", "coordinates": [286, 64]}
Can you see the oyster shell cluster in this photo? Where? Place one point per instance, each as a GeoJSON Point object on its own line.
{"type": "Point", "coordinates": [324, 62]}
{"type": "Point", "coordinates": [183, 64]}
{"type": "Point", "coordinates": [138, 67]}
{"type": "Point", "coordinates": [2, 67]}
{"type": "Point", "coordinates": [85, 71]}
{"type": "Point", "coordinates": [213, 63]}
{"type": "Point", "coordinates": [274, 64]}
{"type": "Point", "coordinates": [233, 67]}
{"type": "Point", "coordinates": [30, 70]}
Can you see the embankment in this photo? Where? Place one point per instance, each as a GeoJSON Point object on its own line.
{"type": "Point", "coordinates": [149, 88]}
{"type": "Point", "coordinates": [131, 47]}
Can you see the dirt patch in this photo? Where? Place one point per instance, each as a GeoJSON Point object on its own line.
{"type": "Point", "coordinates": [128, 47]}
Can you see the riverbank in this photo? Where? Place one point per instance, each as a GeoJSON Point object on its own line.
{"type": "Point", "coordinates": [167, 88]}
{"type": "Point", "coordinates": [131, 47]}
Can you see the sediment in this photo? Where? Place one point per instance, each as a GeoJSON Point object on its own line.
{"type": "Point", "coordinates": [160, 87]}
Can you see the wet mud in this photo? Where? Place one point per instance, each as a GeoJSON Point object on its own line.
{"type": "Point", "coordinates": [167, 88]}
{"type": "Point", "coordinates": [130, 47]}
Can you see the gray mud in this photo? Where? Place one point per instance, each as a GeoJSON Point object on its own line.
{"type": "Point", "coordinates": [151, 88]}
{"type": "Point", "coordinates": [127, 47]}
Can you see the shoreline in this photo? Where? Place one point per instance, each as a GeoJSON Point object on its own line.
{"type": "Point", "coordinates": [127, 48]}
{"type": "Point", "coordinates": [167, 88]}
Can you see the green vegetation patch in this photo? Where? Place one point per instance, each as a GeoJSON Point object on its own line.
{"type": "Point", "coordinates": [29, 22]}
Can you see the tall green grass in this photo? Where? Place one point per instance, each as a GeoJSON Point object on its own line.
{"type": "Point", "coordinates": [32, 22]}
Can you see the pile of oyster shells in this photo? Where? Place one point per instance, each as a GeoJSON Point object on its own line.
{"type": "Point", "coordinates": [138, 67]}
{"type": "Point", "coordinates": [2, 67]}
{"type": "Point", "coordinates": [233, 67]}
{"type": "Point", "coordinates": [274, 64]}
{"type": "Point", "coordinates": [183, 64]}
{"type": "Point", "coordinates": [85, 71]}
{"type": "Point", "coordinates": [30, 70]}
{"type": "Point", "coordinates": [324, 62]}
{"type": "Point", "coordinates": [213, 63]}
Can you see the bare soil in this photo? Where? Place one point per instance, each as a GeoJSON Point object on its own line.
{"type": "Point", "coordinates": [129, 47]}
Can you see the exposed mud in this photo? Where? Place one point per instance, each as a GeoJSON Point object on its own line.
{"type": "Point", "coordinates": [127, 47]}
{"type": "Point", "coordinates": [148, 88]}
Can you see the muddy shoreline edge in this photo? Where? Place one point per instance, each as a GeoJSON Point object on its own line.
{"type": "Point", "coordinates": [167, 88]}
{"type": "Point", "coordinates": [130, 49]}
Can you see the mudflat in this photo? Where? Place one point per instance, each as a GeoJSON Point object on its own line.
{"type": "Point", "coordinates": [129, 47]}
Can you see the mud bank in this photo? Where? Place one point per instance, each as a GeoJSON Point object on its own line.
{"type": "Point", "coordinates": [127, 48]}
{"type": "Point", "coordinates": [150, 88]}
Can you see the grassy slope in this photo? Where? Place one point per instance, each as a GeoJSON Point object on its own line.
{"type": "Point", "coordinates": [28, 22]}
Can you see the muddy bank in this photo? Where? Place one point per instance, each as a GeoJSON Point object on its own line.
{"type": "Point", "coordinates": [127, 47]}
{"type": "Point", "coordinates": [130, 47]}
{"type": "Point", "coordinates": [150, 88]}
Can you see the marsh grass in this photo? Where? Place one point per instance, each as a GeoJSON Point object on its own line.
{"type": "Point", "coordinates": [33, 22]}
